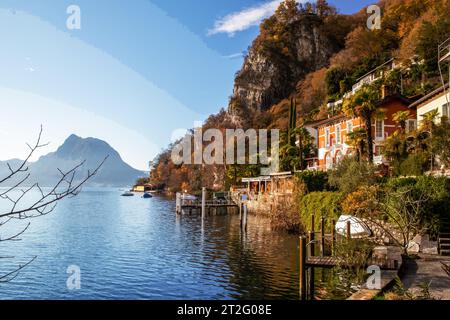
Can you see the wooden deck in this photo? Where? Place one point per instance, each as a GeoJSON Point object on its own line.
{"type": "Point", "coordinates": [217, 206]}
{"type": "Point", "coordinates": [331, 262]}
{"type": "Point", "coordinates": [208, 204]}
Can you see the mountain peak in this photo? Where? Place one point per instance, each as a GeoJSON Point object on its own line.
{"type": "Point", "coordinates": [75, 147]}
{"type": "Point", "coordinates": [72, 137]}
{"type": "Point", "coordinates": [90, 151]}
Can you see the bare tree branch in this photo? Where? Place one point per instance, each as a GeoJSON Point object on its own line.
{"type": "Point", "coordinates": [16, 236]}
{"type": "Point", "coordinates": [66, 186]}
{"type": "Point", "coordinates": [23, 166]}
{"type": "Point", "coordinates": [48, 199]}
{"type": "Point", "coordinates": [13, 274]}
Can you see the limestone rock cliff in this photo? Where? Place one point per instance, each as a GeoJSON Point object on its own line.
{"type": "Point", "coordinates": [270, 73]}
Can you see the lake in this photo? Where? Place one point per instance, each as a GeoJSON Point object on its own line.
{"type": "Point", "coordinates": [135, 248]}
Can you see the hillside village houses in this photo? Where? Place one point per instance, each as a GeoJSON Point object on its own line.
{"type": "Point", "coordinates": [331, 134]}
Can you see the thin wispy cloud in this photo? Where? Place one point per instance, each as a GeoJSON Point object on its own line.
{"type": "Point", "coordinates": [235, 56]}
{"type": "Point", "coordinates": [244, 19]}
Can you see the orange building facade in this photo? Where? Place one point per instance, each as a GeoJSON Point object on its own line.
{"type": "Point", "coordinates": [332, 133]}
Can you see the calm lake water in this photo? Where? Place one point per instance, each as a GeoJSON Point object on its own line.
{"type": "Point", "coordinates": [135, 248]}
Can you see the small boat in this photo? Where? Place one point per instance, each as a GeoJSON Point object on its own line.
{"type": "Point", "coordinates": [358, 229]}
{"type": "Point", "coordinates": [189, 197]}
{"type": "Point", "coordinates": [147, 195]}
{"type": "Point", "coordinates": [127, 194]}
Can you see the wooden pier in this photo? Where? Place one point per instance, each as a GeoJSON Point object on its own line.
{"type": "Point", "coordinates": [205, 207]}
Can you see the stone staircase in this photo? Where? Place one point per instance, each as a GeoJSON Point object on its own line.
{"type": "Point", "coordinates": [444, 237]}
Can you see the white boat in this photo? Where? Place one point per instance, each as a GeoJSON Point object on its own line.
{"type": "Point", "coordinates": [186, 196]}
{"type": "Point", "coordinates": [358, 229]}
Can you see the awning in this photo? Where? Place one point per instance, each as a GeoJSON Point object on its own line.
{"type": "Point", "coordinates": [257, 179]}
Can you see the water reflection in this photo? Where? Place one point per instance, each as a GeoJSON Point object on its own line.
{"type": "Point", "coordinates": [134, 248]}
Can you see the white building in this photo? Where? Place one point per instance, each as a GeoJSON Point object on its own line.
{"type": "Point", "coordinates": [439, 100]}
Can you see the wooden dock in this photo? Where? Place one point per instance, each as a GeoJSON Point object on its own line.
{"type": "Point", "coordinates": [331, 262]}
{"type": "Point", "coordinates": [205, 207]}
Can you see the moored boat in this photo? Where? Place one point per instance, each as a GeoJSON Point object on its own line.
{"type": "Point", "coordinates": [127, 194]}
{"type": "Point", "coordinates": [358, 229]}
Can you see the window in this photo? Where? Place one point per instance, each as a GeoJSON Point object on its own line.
{"type": "Point", "coordinates": [327, 137]}
{"type": "Point", "coordinates": [379, 126]}
{"type": "Point", "coordinates": [338, 134]}
{"type": "Point", "coordinates": [446, 110]}
{"type": "Point", "coordinates": [411, 125]}
{"type": "Point", "coordinates": [349, 126]}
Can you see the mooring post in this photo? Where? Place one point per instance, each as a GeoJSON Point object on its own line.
{"type": "Point", "coordinates": [302, 272]}
{"type": "Point", "coordinates": [244, 226]}
{"type": "Point", "coordinates": [178, 203]}
{"type": "Point", "coordinates": [203, 202]}
{"type": "Point", "coordinates": [311, 240]}
{"type": "Point", "coordinates": [349, 230]}
{"type": "Point", "coordinates": [312, 253]}
{"type": "Point", "coordinates": [240, 213]}
{"type": "Point", "coordinates": [333, 237]}
{"type": "Point", "coordinates": [322, 237]}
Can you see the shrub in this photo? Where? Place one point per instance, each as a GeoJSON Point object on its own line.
{"type": "Point", "coordinates": [351, 174]}
{"type": "Point", "coordinates": [413, 165]}
{"type": "Point", "coordinates": [321, 204]}
{"type": "Point", "coordinates": [435, 191]}
{"type": "Point", "coordinates": [314, 180]}
{"type": "Point", "coordinates": [363, 202]}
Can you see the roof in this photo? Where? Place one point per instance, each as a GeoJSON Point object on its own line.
{"type": "Point", "coordinates": [397, 96]}
{"type": "Point", "coordinates": [256, 179]}
{"type": "Point", "coordinates": [319, 123]}
{"type": "Point", "coordinates": [340, 117]}
{"type": "Point", "coordinates": [429, 96]}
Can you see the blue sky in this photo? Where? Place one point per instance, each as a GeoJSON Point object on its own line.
{"type": "Point", "coordinates": [135, 73]}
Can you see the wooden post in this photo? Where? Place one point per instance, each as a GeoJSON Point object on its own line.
{"type": "Point", "coordinates": [333, 237]}
{"type": "Point", "coordinates": [178, 203]}
{"type": "Point", "coordinates": [311, 269]}
{"type": "Point", "coordinates": [322, 237]}
{"type": "Point", "coordinates": [302, 272]}
{"type": "Point", "coordinates": [203, 202]}
{"type": "Point", "coordinates": [312, 223]}
{"type": "Point", "coordinates": [240, 213]}
{"type": "Point", "coordinates": [244, 227]}
{"type": "Point", "coordinates": [311, 239]}
{"type": "Point", "coordinates": [349, 230]}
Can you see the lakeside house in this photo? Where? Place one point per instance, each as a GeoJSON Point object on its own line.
{"type": "Point", "coordinates": [438, 99]}
{"type": "Point", "coordinates": [332, 132]}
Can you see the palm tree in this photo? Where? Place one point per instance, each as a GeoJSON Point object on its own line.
{"type": "Point", "coordinates": [364, 104]}
{"type": "Point", "coordinates": [357, 139]}
{"type": "Point", "coordinates": [428, 120]}
{"type": "Point", "coordinates": [400, 119]}
{"type": "Point", "coordinates": [395, 147]}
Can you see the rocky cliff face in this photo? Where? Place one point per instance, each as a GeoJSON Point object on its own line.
{"type": "Point", "coordinates": [269, 76]}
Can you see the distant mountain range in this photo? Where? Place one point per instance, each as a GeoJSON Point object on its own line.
{"type": "Point", "coordinates": [114, 172]}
